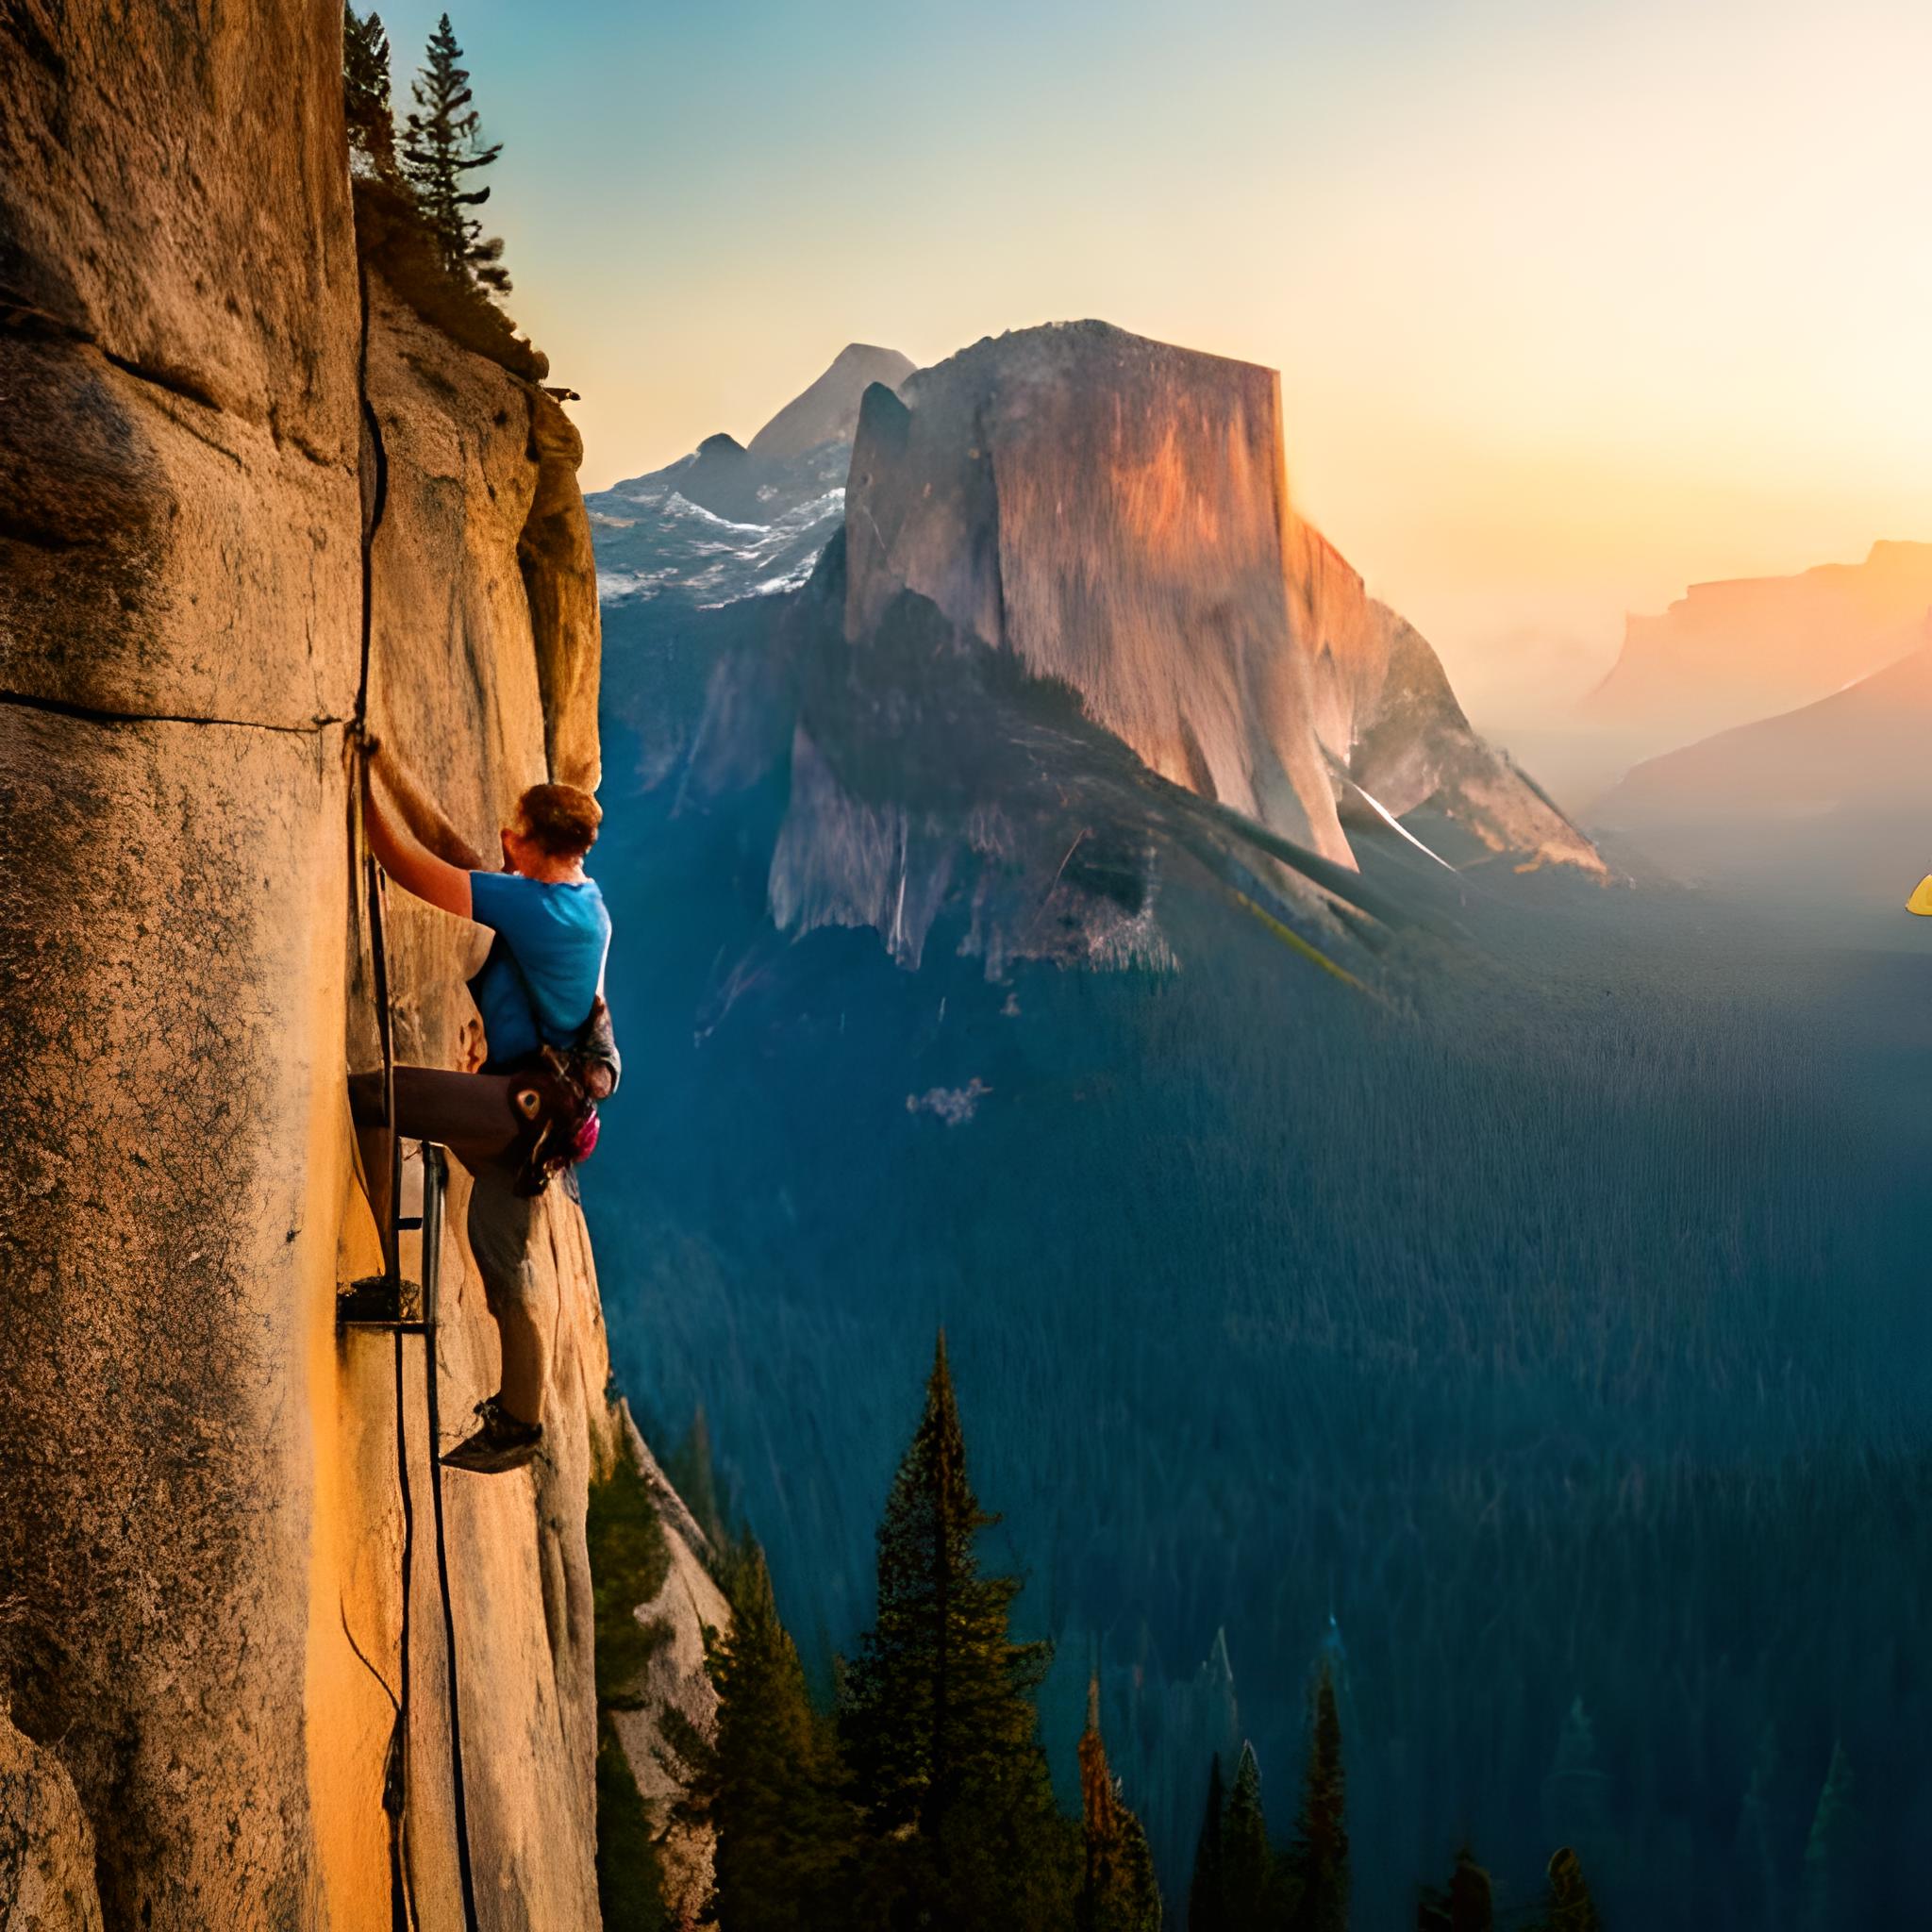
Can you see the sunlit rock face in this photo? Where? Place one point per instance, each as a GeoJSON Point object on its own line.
{"type": "Point", "coordinates": [1726, 653]}
{"type": "Point", "coordinates": [1067, 601]}
{"type": "Point", "coordinates": [201, 1544]}
{"type": "Point", "coordinates": [1111, 511]}
{"type": "Point", "coordinates": [1396, 737]}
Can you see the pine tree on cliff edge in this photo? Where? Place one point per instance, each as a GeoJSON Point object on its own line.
{"type": "Point", "coordinates": [366, 97]}
{"type": "Point", "coordinates": [443, 144]}
{"type": "Point", "coordinates": [938, 1715]}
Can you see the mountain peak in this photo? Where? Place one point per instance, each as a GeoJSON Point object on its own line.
{"type": "Point", "coordinates": [828, 410]}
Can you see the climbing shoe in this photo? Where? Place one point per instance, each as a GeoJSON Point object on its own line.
{"type": "Point", "coordinates": [500, 1441]}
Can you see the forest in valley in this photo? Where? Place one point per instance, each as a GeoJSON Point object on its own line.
{"type": "Point", "coordinates": [920, 1793]}
{"type": "Point", "coordinates": [1549, 1323]}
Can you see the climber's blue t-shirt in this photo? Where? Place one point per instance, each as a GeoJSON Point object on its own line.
{"type": "Point", "coordinates": [559, 935]}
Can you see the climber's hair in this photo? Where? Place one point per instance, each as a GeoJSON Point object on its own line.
{"type": "Point", "coordinates": [560, 818]}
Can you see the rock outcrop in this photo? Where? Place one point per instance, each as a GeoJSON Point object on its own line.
{"type": "Point", "coordinates": [1066, 570]}
{"type": "Point", "coordinates": [1727, 653]}
{"type": "Point", "coordinates": [1112, 513]}
{"type": "Point", "coordinates": [200, 1533]}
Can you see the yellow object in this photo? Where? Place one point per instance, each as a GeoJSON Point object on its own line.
{"type": "Point", "coordinates": [1920, 901]}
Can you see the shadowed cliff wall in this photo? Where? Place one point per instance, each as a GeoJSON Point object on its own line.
{"type": "Point", "coordinates": [199, 1521]}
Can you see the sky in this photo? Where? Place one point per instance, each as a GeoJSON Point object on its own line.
{"type": "Point", "coordinates": [1573, 305]}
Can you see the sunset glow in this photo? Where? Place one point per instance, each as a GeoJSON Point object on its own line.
{"type": "Point", "coordinates": [1572, 309]}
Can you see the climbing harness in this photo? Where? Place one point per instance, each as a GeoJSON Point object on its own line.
{"type": "Point", "coordinates": [387, 1303]}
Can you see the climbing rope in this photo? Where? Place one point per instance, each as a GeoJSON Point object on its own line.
{"type": "Point", "coordinates": [435, 1175]}
{"type": "Point", "coordinates": [395, 1783]}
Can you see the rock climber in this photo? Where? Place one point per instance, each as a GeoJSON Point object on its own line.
{"type": "Point", "coordinates": [549, 1057]}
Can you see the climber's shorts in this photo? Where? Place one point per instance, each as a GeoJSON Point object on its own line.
{"type": "Point", "coordinates": [503, 1229]}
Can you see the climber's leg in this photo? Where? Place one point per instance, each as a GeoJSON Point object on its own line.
{"type": "Point", "coordinates": [468, 1113]}
{"type": "Point", "coordinates": [503, 1227]}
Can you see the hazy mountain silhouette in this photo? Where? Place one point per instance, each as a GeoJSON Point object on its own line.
{"type": "Point", "coordinates": [1729, 652]}
{"type": "Point", "coordinates": [1827, 807]}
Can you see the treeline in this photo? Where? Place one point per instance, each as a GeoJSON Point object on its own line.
{"type": "Point", "coordinates": [415, 192]}
{"type": "Point", "coordinates": [923, 1797]}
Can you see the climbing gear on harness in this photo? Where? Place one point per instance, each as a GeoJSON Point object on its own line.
{"type": "Point", "coordinates": [557, 1093]}
{"type": "Point", "coordinates": [500, 1442]}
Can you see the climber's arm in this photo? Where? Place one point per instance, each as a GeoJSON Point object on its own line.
{"type": "Point", "coordinates": [423, 817]}
{"type": "Point", "coordinates": [406, 859]}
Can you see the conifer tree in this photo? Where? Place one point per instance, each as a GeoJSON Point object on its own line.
{"type": "Point", "coordinates": [1118, 1892]}
{"type": "Point", "coordinates": [630, 1559]}
{"type": "Point", "coordinates": [938, 1715]}
{"type": "Point", "coordinates": [769, 1784]}
{"type": "Point", "coordinates": [444, 145]}
{"type": "Point", "coordinates": [1207, 1892]}
{"type": "Point", "coordinates": [1828, 1848]}
{"type": "Point", "coordinates": [1317, 1860]}
{"type": "Point", "coordinates": [366, 97]}
{"type": "Point", "coordinates": [1567, 1904]}
{"type": "Point", "coordinates": [1247, 1864]}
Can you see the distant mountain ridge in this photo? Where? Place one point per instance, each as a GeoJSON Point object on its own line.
{"type": "Point", "coordinates": [1826, 808]}
{"type": "Point", "coordinates": [1729, 652]}
{"type": "Point", "coordinates": [734, 520]}
{"type": "Point", "coordinates": [1869, 744]}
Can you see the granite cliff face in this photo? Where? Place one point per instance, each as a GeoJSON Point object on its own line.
{"type": "Point", "coordinates": [1064, 601]}
{"type": "Point", "coordinates": [1115, 513]}
{"type": "Point", "coordinates": [1111, 513]}
{"type": "Point", "coordinates": [200, 1537]}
